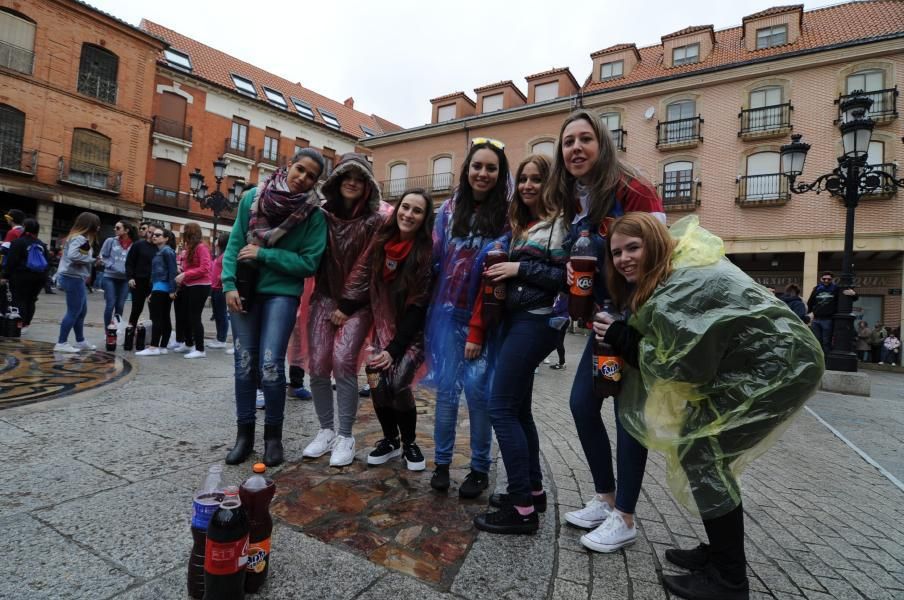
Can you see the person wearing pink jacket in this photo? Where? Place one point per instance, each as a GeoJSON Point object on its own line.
{"type": "Point", "coordinates": [217, 297]}
{"type": "Point", "coordinates": [195, 282]}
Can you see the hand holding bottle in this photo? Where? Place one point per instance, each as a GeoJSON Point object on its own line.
{"type": "Point", "coordinates": [601, 322]}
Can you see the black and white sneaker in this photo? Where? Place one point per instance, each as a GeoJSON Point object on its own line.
{"type": "Point", "coordinates": [384, 451]}
{"type": "Point", "coordinates": [414, 459]}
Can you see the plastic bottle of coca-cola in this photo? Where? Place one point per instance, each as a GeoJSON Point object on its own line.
{"type": "Point", "coordinates": [226, 552]}
{"type": "Point", "coordinates": [140, 336]}
{"type": "Point", "coordinates": [256, 493]}
{"type": "Point", "coordinates": [493, 293]}
{"type": "Point", "coordinates": [204, 505]}
{"type": "Point", "coordinates": [583, 265]}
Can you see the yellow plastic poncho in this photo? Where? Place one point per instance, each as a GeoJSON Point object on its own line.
{"type": "Point", "coordinates": [724, 365]}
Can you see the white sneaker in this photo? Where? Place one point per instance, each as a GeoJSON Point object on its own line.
{"type": "Point", "coordinates": [613, 534]}
{"type": "Point", "coordinates": [24, 330]}
{"type": "Point", "coordinates": [343, 451]}
{"type": "Point", "coordinates": [65, 347]}
{"type": "Point", "coordinates": [323, 443]}
{"type": "Point", "coordinates": [215, 344]}
{"type": "Point", "coordinates": [592, 515]}
{"type": "Point", "coordinates": [173, 344]}
{"type": "Point", "coordinates": [163, 350]}
{"type": "Point", "coordinates": [230, 350]}
{"type": "Point", "coordinates": [181, 348]}
{"type": "Point", "coordinates": [259, 402]}
{"type": "Point", "coordinates": [85, 345]}
{"type": "Point", "coordinates": [196, 354]}
{"type": "Point", "coordinates": [149, 352]}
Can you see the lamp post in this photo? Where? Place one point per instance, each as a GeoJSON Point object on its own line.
{"type": "Point", "coordinates": [217, 202]}
{"type": "Point", "coordinates": [848, 181]}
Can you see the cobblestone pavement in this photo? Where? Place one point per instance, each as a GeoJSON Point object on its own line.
{"type": "Point", "coordinates": [95, 500]}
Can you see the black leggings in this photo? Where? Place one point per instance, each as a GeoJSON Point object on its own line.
{"type": "Point", "coordinates": [25, 287]}
{"type": "Point", "coordinates": [159, 307]}
{"type": "Point", "coordinates": [140, 293]}
{"type": "Point", "coordinates": [195, 297]}
{"type": "Point", "coordinates": [180, 308]}
{"type": "Point", "coordinates": [560, 344]}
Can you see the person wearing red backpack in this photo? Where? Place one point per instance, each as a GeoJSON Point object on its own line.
{"type": "Point", "coordinates": [26, 269]}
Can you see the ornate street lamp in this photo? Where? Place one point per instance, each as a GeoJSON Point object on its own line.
{"type": "Point", "coordinates": [852, 178]}
{"type": "Point", "coordinates": [217, 202]}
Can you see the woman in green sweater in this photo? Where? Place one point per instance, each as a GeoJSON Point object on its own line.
{"type": "Point", "coordinates": [277, 240]}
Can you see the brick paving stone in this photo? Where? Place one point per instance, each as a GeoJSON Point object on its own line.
{"type": "Point", "coordinates": [799, 575]}
{"type": "Point", "coordinates": [568, 590]}
{"type": "Point", "coordinates": [641, 590]}
{"type": "Point", "coordinates": [841, 590]}
{"type": "Point", "coordinates": [574, 566]}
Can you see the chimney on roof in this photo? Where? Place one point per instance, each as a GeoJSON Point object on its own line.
{"type": "Point", "coordinates": [349, 102]}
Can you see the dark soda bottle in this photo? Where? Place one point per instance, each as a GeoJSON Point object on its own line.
{"type": "Point", "coordinates": [493, 293]}
{"type": "Point", "coordinates": [204, 505]}
{"type": "Point", "coordinates": [129, 341]}
{"type": "Point", "coordinates": [246, 274]}
{"type": "Point", "coordinates": [140, 336]}
{"type": "Point", "coordinates": [375, 380]}
{"type": "Point", "coordinates": [607, 365]}
{"type": "Point", "coordinates": [110, 338]}
{"type": "Point", "coordinates": [226, 550]}
{"type": "Point", "coordinates": [256, 493]}
{"type": "Point", "coordinates": [583, 264]}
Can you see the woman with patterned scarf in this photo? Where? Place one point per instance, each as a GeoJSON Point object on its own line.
{"type": "Point", "coordinates": [281, 232]}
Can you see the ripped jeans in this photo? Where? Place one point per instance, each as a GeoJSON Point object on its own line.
{"type": "Point", "coordinates": [261, 337]}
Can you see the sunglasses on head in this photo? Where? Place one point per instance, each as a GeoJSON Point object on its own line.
{"type": "Point", "coordinates": [157, 234]}
{"type": "Point", "coordinates": [485, 140]}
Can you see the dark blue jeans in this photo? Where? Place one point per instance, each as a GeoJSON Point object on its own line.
{"type": "Point", "coordinates": [525, 340]}
{"type": "Point", "coordinates": [261, 336]}
{"type": "Point", "coordinates": [115, 293]}
{"type": "Point", "coordinates": [823, 330]}
{"type": "Point", "coordinates": [631, 456]}
{"type": "Point", "coordinates": [220, 316]}
{"type": "Point", "coordinates": [76, 308]}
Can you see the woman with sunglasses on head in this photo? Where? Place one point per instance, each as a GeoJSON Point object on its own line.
{"type": "Point", "coordinates": [74, 270]}
{"type": "Point", "coordinates": [472, 218]}
{"type": "Point", "coordinates": [138, 270]}
{"type": "Point", "coordinates": [340, 320]}
{"type": "Point", "coordinates": [717, 367]}
{"type": "Point", "coordinates": [195, 284]}
{"type": "Point", "coordinates": [595, 187]}
{"type": "Point", "coordinates": [163, 290]}
{"type": "Point", "coordinates": [114, 254]}
{"type": "Point", "coordinates": [533, 276]}
{"type": "Point", "coordinates": [279, 233]}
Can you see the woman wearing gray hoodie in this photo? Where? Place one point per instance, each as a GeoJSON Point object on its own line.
{"type": "Point", "coordinates": [74, 270]}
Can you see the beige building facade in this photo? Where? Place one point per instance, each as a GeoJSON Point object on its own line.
{"type": "Point", "coordinates": [703, 115]}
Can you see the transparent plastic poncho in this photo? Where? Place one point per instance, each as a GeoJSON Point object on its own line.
{"type": "Point", "coordinates": [724, 366]}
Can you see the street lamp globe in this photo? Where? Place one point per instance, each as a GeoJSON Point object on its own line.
{"type": "Point", "coordinates": [219, 168]}
{"type": "Point", "coordinates": [195, 180]}
{"type": "Point", "coordinates": [793, 157]}
{"type": "Point", "coordinates": [856, 134]}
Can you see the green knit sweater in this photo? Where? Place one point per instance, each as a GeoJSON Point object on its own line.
{"type": "Point", "coordinates": [284, 266]}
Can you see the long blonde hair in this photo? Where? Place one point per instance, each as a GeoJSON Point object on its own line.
{"type": "Point", "coordinates": [519, 213]}
{"type": "Point", "coordinates": [86, 224]}
{"type": "Point", "coordinates": [656, 263]}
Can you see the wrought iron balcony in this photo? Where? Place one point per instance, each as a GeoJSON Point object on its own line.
{"type": "Point", "coordinates": [99, 87]}
{"type": "Point", "coordinates": [884, 108]}
{"type": "Point", "coordinates": [618, 138]}
{"type": "Point", "coordinates": [171, 128]}
{"type": "Point", "coordinates": [436, 183]}
{"type": "Point", "coordinates": [271, 158]}
{"type": "Point", "coordinates": [16, 159]}
{"type": "Point", "coordinates": [680, 133]}
{"type": "Point", "coordinates": [885, 189]}
{"type": "Point", "coordinates": [763, 190]}
{"type": "Point", "coordinates": [239, 148]}
{"type": "Point", "coordinates": [679, 191]}
{"type": "Point", "coordinates": [161, 196]}
{"type": "Point", "coordinates": [91, 176]}
{"type": "Point", "coordinates": [16, 58]}
{"type": "Point", "coordinates": [765, 121]}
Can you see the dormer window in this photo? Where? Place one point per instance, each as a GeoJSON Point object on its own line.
{"type": "Point", "coordinates": [612, 70]}
{"type": "Point", "coordinates": [546, 91]}
{"type": "Point", "coordinates": [303, 108]}
{"type": "Point", "coordinates": [686, 55]}
{"type": "Point", "coordinates": [445, 113]}
{"type": "Point", "coordinates": [275, 98]}
{"type": "Point", "coordinates": [368, 132]}
{"type": "Point", "coordinates": [768, 37]}
{"type": "Point", "coordinates": [246, 86]}
{"type": "Point", "coordinates": [177, 59]}
{"type": "Point", "coordinates": [492, 103]}
{"type": "Point", "coordinates": [330, 119]}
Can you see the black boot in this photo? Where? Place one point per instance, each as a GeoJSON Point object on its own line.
{"type": "Point", "coordinates": [296, 376]}
{"type": "Point", "coordinates": [244, 444]}
{"type": "Point", "coordinates": [273, 450]}
{"type": "Point", "coordinates": [440, 480]}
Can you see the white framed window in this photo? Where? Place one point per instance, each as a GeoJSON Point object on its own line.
{"type": "Point", "coordinates": [679, 124]}
{"type": "Point", "coordinates": [368, 132]}
{"type": "Point", "coordinates": [677, 181]}
{"type": "Point", "coordinates": [271, 145]}
{"type": "Point", "coordinates": [876, 153]}
{"type": "Point", "coordinates": [445, 113]}
{"type": "Point", "coordinates": [871, 80]}
{"type": "Point", "coordinates": [763, 181]}
{"type": "Point", "coordinates": [685, 55]}
{"type": "Point", "coordinates": [17, 42]}
{"type": "Point", "coordinates": [303, 108]}
{"type": "Point", "coordinates": [768, 37]}
{"type": "Point", "coordinates": [239, 137]}
{"type": "Point", "coordinates": [611, 70]}
{"type": "Point", "coordinates": [177, 59]}
{"type": "Point", "coordinates": [545, 147]}
{"type": "Point", "coordinates": [243, 85]}
{"type": "Point", "coordinates": [612, 120]}
{"type": "Point", "coordinates": [329, 118]}
{"type": "Point", "coordinates": [765, 109]}
{"type": "Point", "coordinates": [398, 179]}
{"type": "Point", "coordinates": [275, 98]}
{"type": "Point", "coordinates": [442, 173]}
{"type": "Point", "coordinates": [546, 91]}
{"type": "Point", "coordinates": [492, 103]}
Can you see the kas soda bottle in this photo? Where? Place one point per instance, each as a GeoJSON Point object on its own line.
{"type": "Point", "coordinates": [246, 275]}
{"type": "Point", "coordinates": [204, 505]}
{"type": "Point", "coordinates": [493, 293]}
{"type": "Point", "coordinates": [256, 493]}
{"type": "Point", "coordinates": [583, 265]}
{"type": "Point", "coordinates": [111, 337]}
{"type": "Point", "coordinates": [140, 336]}
{"type": "Point", "coordinates": [607, 365]}
{"type": "Point", "coordinates": [375, 380]}
{"type": "Point", "coordinates": [226, 552]}
{"type": "Point", "coordinates": [129, 339]}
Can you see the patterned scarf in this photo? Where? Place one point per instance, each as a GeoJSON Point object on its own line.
{"type": "Point", "coordinates": [396, 252]}
{"type": "Point", "coordinates": [276, 210]}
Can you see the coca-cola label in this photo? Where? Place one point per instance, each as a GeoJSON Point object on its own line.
{"type": "Point", "coordinates": [373, 379]}
{"type": "Point", "coordinates": [609, 367]}
{"type": "Point", "coordinates": [583, 283]}
{"type": "Point", "coordinates": [258, 555]}
{"type": "Point", "coordinates": [225, 558]}
{"type": "Point", "coordinates": [499, 292]}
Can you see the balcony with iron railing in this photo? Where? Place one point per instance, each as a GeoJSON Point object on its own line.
{"type": "Point", "coordinates": [239, 148]}
{"type": "Point", "coordinates": [765, 121]}
{"type": "Point", "coordinates": [618, 138]}
{"type": "Point", "coordinates": [96, 86]}
{"type": "Point", "coordinates": [162, 196]}
{"type": "Point", "coordinates": [171, 128]}
{"type": "Point", "coordinates": [271, 158]}
{"type": "Point", "coordinates": [87, 175]}
{"type": "Point", "coordinates": [16, 159]}
{"type": "Point", "coordinates": [680, 192]}
{"type": "Point", "coordinates": [16, 58]}
{"type": "Point", "coordinates": [437, 183]}
{"type": "Point", "coordinates": [763, 190]}
{"type": "Point", "coordinates": [680, 133]}
{"type": "Point", "coordinates": [884, 189]}
{"type": "Point", "coordinates": [884, 108]}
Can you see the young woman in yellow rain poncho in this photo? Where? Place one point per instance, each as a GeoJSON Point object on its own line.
{"type": "Point", "coordinates": [717, 366]}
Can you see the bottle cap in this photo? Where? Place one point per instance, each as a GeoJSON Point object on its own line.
{"type": "Point", "coordinates": [259, 468]}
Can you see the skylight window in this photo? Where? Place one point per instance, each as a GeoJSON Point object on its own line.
{"type": "Point", "coordinates": [177, 59]}
{"type": "Point", "coordinates": [368, 132]}
{"type": "Point", "coordinates": [329, 118]}
{"type": "Point", "coordinates": [275, 97]}
{"type": "Point", "coordinates": [243, 85]}
{"type": "Point", "coordinates": [303, 108]}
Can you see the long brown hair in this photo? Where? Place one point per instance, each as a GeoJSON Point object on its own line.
{"type": "Point", "coordinates": [656, 263]}
{"type": "Point", "coordinates": [191, 237]}
{"type": "Point", "coordinates": [606, 174]}
{"type": "Point", "coordinates": [488, 215]}
{"type": "Point", "coordinates": [86, 224]}
{"type": "Point", "coordinates": [519, 213]}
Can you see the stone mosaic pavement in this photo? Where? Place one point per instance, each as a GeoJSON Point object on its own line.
{"type": "Point", "coordinates": [95, 500]}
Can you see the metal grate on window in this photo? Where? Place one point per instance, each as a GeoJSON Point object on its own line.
{"type": "Point", "coordinates": [12, 133]}
{"type": "Point", "coordinates": [97, 73]}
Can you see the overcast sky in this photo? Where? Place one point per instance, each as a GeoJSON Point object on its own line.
{"type": "Point", "coordinates": [392, 56]}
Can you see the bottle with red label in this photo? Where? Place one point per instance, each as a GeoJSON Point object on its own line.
{"type": "Point", "coordinates": [111, 337]}
{"type": "Point", "coordinates": [493, 293]}
{"type": "Point", "coordinates": [226, 552]}
{"type": "Point", "coordinates": [256, 493]}
{"type": "Point", "coordinates": [607, 365]}
{"type": "Point", "coordinates": [583, 265]}
{"type": "Point", "coordinates": [205, 504]}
